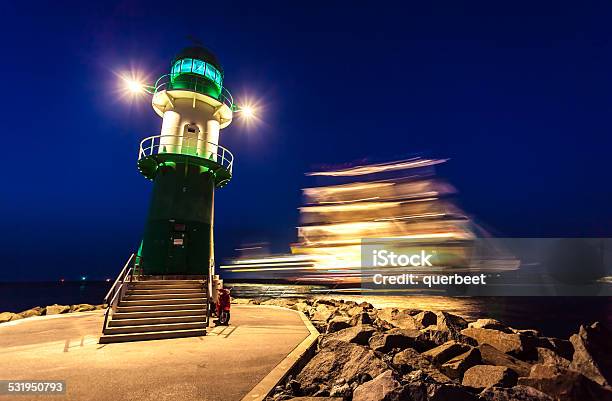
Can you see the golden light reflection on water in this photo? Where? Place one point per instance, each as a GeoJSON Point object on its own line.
{"type": "Point", "coordinates": [468, 307]}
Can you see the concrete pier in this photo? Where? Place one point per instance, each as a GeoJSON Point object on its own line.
{"type": "Point", "coordinates": [224, 365]}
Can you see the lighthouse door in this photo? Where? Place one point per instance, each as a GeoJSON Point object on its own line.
{"type": "Point", "coordinates": [177, 254]}
{"type": "Point", "coordinates": [190, 139]}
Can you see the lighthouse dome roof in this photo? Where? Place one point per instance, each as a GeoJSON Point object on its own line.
{"type": "Point", "coordinates": [200, 53]}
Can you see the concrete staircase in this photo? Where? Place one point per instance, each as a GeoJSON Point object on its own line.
{"type": "Point", "coordinates": [158, 309]}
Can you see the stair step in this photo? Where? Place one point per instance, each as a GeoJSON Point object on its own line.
{"type": "Point", "coordinates": [147, 328]}
{"type": "Point", "coordinates": [173, 301]}
{"type": "Point", "coordinates": [159, 308]}
{"type": "Point", "coordinates": [148, 286]}
{"type": "Point", "coordinates": [157, 314]}
{"type": "Point", "coordinates": [174, 281]}
{"type": "Point", "coordinates": [158, 335]}
{"type": "Point", "coordinates": [157, 320]}
{"type": "Point", "coordinates": [138, 291]}
{"type": "Point", "coordinates": [169, 282]}
{"type": "Point", "coordinates": [172, 295]}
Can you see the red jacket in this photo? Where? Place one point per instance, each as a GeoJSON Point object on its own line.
{"type": "Point", "coordinates": [224, 299]}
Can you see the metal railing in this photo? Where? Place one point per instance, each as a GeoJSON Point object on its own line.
{"type": "Point", "coordinates": [119, 279]}
{"type": "Point", "coordinates": [196, 84]}
{"type": "Point", "coordinates": [186, 145]}
{"type": "Point", "coordinates": [117, 290]}
{"type": "Point", "coordinates": [207, 297]}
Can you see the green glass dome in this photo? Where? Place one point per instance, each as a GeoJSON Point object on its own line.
{"type": "Point", "coordinates": [200, 53]}
{"type": "Point", "coordinates": [197, 68]}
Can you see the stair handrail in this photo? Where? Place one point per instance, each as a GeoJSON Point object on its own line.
{"type": "Point", "coordinates": [206, 297]}
{"type": "Point", "coordinates": [120, 278]}
{"type": "Point", "coordinates": [112, 305]}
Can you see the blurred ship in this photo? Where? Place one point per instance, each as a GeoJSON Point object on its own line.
{"type": "Point", "coordinates": [402, 205]}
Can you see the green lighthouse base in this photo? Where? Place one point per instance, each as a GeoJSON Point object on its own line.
{"type": "Point", "coordinates": [178, 237]}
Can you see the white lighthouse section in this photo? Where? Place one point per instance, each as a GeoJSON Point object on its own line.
{"type": "Point", "coordinates": [168, 142]}
{"type": "Point", "coordinates": [212, 137]}
{"type": "Point", "coordinates": [191, 122]}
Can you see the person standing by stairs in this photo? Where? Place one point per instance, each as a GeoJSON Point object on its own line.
{"type": "Point", "coordinates": [223, 307]}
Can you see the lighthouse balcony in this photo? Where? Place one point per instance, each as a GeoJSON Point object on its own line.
{"type": "Point", "coordinates": [195, 83]}
{"type": "Point", "coordinates": [162, 149]}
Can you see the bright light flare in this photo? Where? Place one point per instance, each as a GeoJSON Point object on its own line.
{"type": "Point", "coordinates": [132, 84]}
{"type": "Point", "coordinates": [249, 112]}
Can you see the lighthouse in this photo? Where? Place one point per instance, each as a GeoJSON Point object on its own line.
{"type": "Point", "coordinates": [167, 288]}
{"type": "Point", "coordinates": [186, 164]}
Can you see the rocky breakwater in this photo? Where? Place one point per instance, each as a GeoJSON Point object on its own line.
{"type": "Point", "coordinates": [368, 354]}
{"type": "Point", "coordinates": [48, 310]}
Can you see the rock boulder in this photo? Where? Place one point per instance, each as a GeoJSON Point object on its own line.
{"type": "Point", "coordinates": [383, 387]}
{"type": "Point", "coordinates": [82, 308]}
{"type": "Point", "coordinates": [549, 357]}
{"type": "Point", "coordinates": [356, 310]}
{"type": "Point", "coordinates": [450, 323]}
{"type": "Point", "coordinates": [340, 360]}
{"type": "Point", "coordinates": [322, 312]}
{"type": "Point", "coordinates": [356, 335]}
{"type": "Point", "coordinates": [446, 351]}
{"type": "Point", "coordinates": [511, 343]}
{"type": "Point", "coordinates": [492, 356]}
{"type": "Point", "coordinates": [417, 368]}
{"type": "Point", "coordinates": [362, 318]}
{"type": "Point", "coordinates": [455, 367]}
{"type": "Point", "coordinates": [516, 393]}
{"type": "Point", "coordinates": [397, 318]}
{"type": "Point", "coordinates": [398, 339]}
{"type": "Point", "coordinates": [341, 390]}
{"type": "Point", "coordinates": [593, 353]}
{"type": "Point", "coordinates": [56, 309]}
{"type": "Point", "coordinates": [36, 311]}
{"type": "Point", "coordinates": [447, 327]}
{"type": "Point", "coordinates": [483, 376]}
{"type": "Point", "coordinates": [490, 324]}
{"type": "Point", "coordinates": [409, 360]}
{"type": "Point", "coordinates": [449, 392]}
{"type": "Point", "coordinates": [425, 318]}
{"type": "Point", "coordinates": [565, 385]}
{"type": "Point", "coordinates": [8, 316]}
{"type": "Point", "coordinates": [337, 323]}
{"type": "Point", "coordinates": [563, 348]}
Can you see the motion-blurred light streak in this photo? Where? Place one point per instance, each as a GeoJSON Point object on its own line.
{"type": "Point", "coordinates": [378, 168]}
{"type": "Point", "coordinates": [402, 201]}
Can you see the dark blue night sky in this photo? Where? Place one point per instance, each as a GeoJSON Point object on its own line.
{"type": "Point", "coordinates": [517, 94]}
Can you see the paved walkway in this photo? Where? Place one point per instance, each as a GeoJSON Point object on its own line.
{"type": "Point", "coordinates": [224, 365]}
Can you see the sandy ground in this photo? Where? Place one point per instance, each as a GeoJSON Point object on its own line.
{"type": "Point", "coordinates": [224, 365]}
